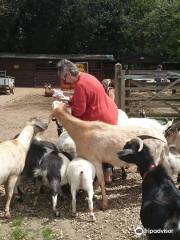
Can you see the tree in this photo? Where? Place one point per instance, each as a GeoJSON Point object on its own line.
{"type": "Point", "coordinates": [91, 26]}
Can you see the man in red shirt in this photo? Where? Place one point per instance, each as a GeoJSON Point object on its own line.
{"type": "Point", "coordinates": [89, 101]}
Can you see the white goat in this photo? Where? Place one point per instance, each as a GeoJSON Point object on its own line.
{"type": "Point", "coordinates": [66, 144]}
{"type": "Point", "coordinates": [99, 142]}
{"type": "Point", "coordinates": [80, 175]}
{"type": "Point", "coordinates": [124, 120]}
{"type": "Point", "coordinates": [147, 123]}
{"type": "Point", "coordinates": [172, 135]}
{"type": "Point", "coordinates": [12, 157]}
{"type": "Point", "coordinates": [122, 117]}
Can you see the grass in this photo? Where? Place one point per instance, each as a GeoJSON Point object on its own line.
{"type": "Point", "coordinates": [18, 231]}
{"type": "Point", "coordinates": [17, 222]}
{"type": "Point", "coordinates": [47, 234]}
{"type": "Point", "coordinates": [18, 234]}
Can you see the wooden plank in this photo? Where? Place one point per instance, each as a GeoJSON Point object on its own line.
{"type": "Point", "coordinates": [148, 88]}
{"type": "Point", "coordinates": [159, 105]}
{"type": "Point", "coordinates": [154, 99]}
{"type": "Point", "coordinates": [157, 115]}
{"type": "Point", "coordinates": [119, 86]}
{"type": "Point", "coordinates": [173, 107]}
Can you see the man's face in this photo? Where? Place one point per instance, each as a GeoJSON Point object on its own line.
{"type": "Point", "coordinates": [67, 78]}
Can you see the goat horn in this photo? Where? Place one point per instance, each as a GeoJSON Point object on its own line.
{"type": "Point", "coordinates": [140, 141]}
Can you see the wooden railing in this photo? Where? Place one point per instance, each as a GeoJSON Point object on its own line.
{"type": "Point", "coordinates": [135, 92]}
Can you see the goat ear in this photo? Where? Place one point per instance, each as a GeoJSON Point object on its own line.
{"type": "Point", "coordinates": [55, 104]}
{"type": "Point", "coordinates": [125, 153]}
{"type": "Point", "coordinates": [43, 126]}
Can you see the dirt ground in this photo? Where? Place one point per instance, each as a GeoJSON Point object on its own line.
{"type": "Point", "coordinates": [118, 222]}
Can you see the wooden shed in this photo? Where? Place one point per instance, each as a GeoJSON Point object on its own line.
{"type": "Point", "coordinates": [33, 70]}
{"type": "Point", "coordinates": [140, 61]}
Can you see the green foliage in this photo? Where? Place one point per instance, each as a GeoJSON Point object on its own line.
{"type": "Point", "coordinates": [17, 234]}
{"type": "Point", "coordinates": [17, 221]}
{"type": "Point", "coordinates": [47, 234]}
{"type": "Point", "coordinates": [92, 26]}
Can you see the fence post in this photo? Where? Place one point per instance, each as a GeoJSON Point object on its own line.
{"type": "Point", "coordinates": [119, 86]}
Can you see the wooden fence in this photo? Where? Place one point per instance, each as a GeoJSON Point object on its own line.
{"type": "Point", "coordinates": [137, 92]}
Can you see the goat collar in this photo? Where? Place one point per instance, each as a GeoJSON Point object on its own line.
{"type": "Point", "coordinates": [150, 168]}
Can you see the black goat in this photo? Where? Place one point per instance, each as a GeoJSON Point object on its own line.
{"type": "Point", "coordinates": [160, 209]}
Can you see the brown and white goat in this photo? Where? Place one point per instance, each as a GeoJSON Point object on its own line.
{"type": "Point", "coordinates": [12, 157]}
{"type": "Point", "coordinates": [48, 90]}
{"type": "Point", "coordinates": [99, 142]}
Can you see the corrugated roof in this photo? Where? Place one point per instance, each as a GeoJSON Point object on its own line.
{"type": "Point", "coordinates": [82, 57]}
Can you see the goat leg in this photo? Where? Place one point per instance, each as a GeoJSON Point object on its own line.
{"type": "Point", "coordinates": [100, 177]}
{"type": "Point", "coordinates": [56, 188]}
{"type": "Point", "coordinates": [124, 174]}
{"type": "Point", "coordinates": [9, 188]}
{"type": "Point", "coordinates": [54, 203]}
{"type": "Point", "coordinates": [18, 193]}
{"type": "Point", "coordinates": [73, 193]}
{"type": "Point", "coordinates": [90, 203]}
{"type": "Point", "coordinates": [38, 184]}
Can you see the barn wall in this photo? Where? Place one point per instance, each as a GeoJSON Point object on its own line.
{"type": "Point", "coordinates": [35, 72]}
{"type": "Point", "coordinates": [23, 71]}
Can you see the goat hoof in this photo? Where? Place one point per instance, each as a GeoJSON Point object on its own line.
{"type": "Point", "coordinates": [7, 215]}
{"type": "Point", "coordinates": [93, 218]}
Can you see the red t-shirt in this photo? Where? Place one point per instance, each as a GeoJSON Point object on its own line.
{"type": "Point", "coordinates": [90, 102]}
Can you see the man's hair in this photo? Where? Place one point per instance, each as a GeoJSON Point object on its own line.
{"type": "Point", "coordinates": [64, 66]}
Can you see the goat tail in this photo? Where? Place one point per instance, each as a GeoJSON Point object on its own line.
{"type": "Point", "coordinates": [81, 180]}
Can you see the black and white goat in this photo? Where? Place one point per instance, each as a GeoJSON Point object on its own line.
{"type": "Point", "coordinates": [36, 151]}
{"type": "Point", "coordinates": [160, 209]}
{"type": "Point", "coordinates": [46, 166]}
{"type": "Point", "coordinates": [52, 168]}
